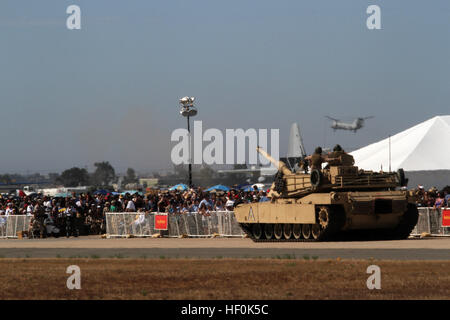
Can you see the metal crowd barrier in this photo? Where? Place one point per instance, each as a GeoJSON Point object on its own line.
{"type": "Point", "coordinates": [122, 224]}
{"type": "Point", "coordinates": [220, 223]}
{"type": "Point", "coordinates": [10, 225]}
{"type": "Point", "coordinates": [430, 221]}
{"type": "Point", "coordinates": [224, 224]}
{"type": "Point", "coordinates": [3, 227]}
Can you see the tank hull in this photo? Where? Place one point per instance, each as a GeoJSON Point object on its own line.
{"type": "Point", "coordinates": [327, 215]}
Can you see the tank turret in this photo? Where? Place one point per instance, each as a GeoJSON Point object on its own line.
{"type": "Point", "coordinates": [339, 174]}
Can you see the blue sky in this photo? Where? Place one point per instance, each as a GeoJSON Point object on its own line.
{"type": "Point", "coordinates": [110, 90]}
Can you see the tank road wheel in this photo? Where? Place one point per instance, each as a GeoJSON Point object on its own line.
{"type": "Point", "coordinates": [287, 231]}
{"type": "Point", "coordinates": [297, 230]}
{"type": "Point", "coordinates": [268, 231]}
{"type": "Point", "coordinates": [278, 231]}
{"type": "Point", "coordinates": [306, 231]}
{"type": "Point", "coordinates": [257, 231]}
{"type": "Point", "coordinates": [316, 231]}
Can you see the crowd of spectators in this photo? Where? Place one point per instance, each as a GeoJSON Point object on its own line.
{"type": "Point", "coordinates": [432, 198]}
{"type": "Point", "coordinates": [85, 213]}
{"type": "Point", "coordinates": [196, 200]}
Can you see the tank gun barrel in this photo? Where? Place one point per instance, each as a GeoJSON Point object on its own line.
{"type": "Point", "coordinates": [280, 165]}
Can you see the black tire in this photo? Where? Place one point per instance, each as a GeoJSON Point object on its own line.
{"type": "Point", "coordinates": [306, 231]}
{"type": "Point", "coordinates": [268, 231]}
{"type": "Point", "coordinates": [297, 231]}
{"type": "Point", "coordinates": [316, 178]}
{"type": "Point", "coordinates": [278, 231]}
{"type": "Point", "coordinates": [316, 231]}
{"type": "Point", "coordinates": [287, 231]}
{"type": "Point", "coordinates": [257, 231]}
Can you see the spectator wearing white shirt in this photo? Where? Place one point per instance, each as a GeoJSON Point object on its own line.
{"type": "Point", "coordinates": [229, 205]}
{"type": "Point", "coordinates": [29, 209]}
{"type": "Point", "coordinates": [9, 210]}
{"type": "Point", "coordinates": [219, 206]}
{"type": "Point", "coordinates": [47, 203]}
{"type": "Point", "coordinates": [130, 206]}
{"type": "Point", "coordinates": [139, 220]}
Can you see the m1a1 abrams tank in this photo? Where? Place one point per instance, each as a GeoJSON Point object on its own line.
{"type": "Point", "coordinates": [330, 204]}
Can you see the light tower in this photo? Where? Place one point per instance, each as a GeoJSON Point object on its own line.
{"type": "Point", "coordinates": [188, 110]}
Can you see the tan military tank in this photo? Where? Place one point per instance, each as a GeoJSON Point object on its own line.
{"type": "Point", "coordinates": [330, 204]}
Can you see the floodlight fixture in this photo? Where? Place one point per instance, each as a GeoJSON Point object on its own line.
{"type": "Point", "coordinates": [188, 110]}
{"type": "Point", "coordinates": [187, 107]}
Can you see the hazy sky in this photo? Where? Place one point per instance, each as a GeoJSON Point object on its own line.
{"type": "Point", "coordinates": [110, 90]}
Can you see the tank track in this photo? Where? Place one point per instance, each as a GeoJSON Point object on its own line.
{"type": "Point", "coordinates": [407, 223]}
{"type": "Point", "coordinates": [335, 233]}
{"type": "Point", "coordinates": [359, 235]}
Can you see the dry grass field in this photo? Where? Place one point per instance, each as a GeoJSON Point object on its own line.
{"type": "Point", "coordinates": [218, 278]}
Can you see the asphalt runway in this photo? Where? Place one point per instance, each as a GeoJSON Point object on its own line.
{"type": "Point", "coordinates": [95, 247]}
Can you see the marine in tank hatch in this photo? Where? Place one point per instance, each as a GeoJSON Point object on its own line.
{"type": "Point", "coordinates": [339, 157]}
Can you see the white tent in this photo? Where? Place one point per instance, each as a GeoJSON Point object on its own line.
{"type": "Point", "coordinates": [425, 146]}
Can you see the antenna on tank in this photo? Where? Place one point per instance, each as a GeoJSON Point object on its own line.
{"type": "Point", "coordinates": [389, 153]}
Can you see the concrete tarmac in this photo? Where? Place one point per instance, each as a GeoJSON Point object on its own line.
{"type": "Point", "coordinates": [95, 247]}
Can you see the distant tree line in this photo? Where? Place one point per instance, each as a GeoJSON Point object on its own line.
{"type": "Point", "coordinates": [103, 176]}
{"type": "Point", "coordinates": [205, 176]}
{"type": "Point", "coordinates": [18, 178]}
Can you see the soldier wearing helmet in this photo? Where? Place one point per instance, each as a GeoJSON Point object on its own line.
{"type": "Point", "coordinates": [316, 159]}
{"type": "Point", "coordinates": [340, 158]}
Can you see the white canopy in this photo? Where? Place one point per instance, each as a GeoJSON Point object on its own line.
{"type": "Point", "coordinates": [425, 146]}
